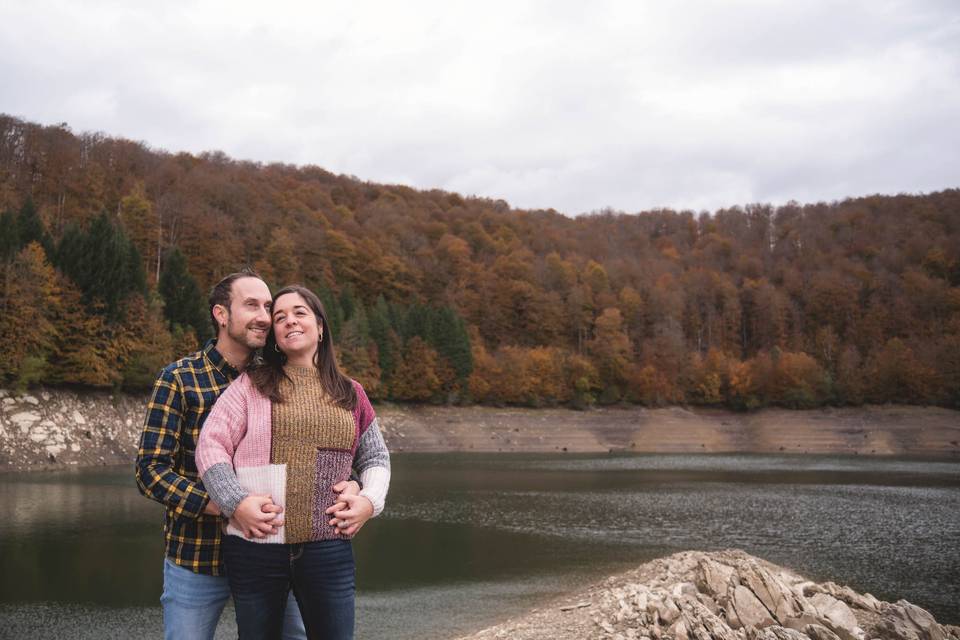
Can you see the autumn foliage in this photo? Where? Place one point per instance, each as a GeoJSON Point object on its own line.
{"type": "Point", "coordinates": [107, 245]}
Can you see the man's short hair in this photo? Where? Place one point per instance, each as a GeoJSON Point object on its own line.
{"type": "Point", "coordinates": [220, 294]}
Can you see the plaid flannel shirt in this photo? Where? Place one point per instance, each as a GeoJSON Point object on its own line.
{"type": "Point", "coordinates": [166, 471]}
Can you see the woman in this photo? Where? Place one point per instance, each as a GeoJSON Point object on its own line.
{"type": "Point", "coordinates": [288, 430]}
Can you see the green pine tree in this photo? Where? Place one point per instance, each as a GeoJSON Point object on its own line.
{"type": "Point", "coordinates": [378, 320]}
{"type": "Point", "coordinates": [104, 263]}
{"type": "Point", "coordinates": [183, 302]}
{"type": "Point", "coordinates": [451, 341]}
{"type": "Point", "coordinates": [417, 323]}
{"type": "Point", "coordinates": [9, 235]}
{"type": "Point", "coordinates": [29, 225]}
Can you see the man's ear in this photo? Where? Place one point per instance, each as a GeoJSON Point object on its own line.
{"type": "Point", "coordinates": [222, 315]}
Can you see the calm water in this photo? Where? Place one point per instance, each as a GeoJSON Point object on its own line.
{"type": "Point", "coordinates": [470, 539]}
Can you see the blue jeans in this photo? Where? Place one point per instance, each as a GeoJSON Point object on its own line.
{"type": "Point", "coordinates": [321, 575]}
{"type": "Point", "coordinates": [192, 604]}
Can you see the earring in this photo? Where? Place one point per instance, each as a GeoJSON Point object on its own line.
{"type": "Point", "coordinates": [276, 348]}
{"type": "Point", "coordinates": [320, 339]}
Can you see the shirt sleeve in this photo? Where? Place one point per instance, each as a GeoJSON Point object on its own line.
{"type": "Point", "coordinates": [159, 447]}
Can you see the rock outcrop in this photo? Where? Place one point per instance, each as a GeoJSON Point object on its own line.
{"type": "Point", "coordinates": [725, 595]}
{"type": "Point", "coordinates": [48, 428]}
{"type": "Point", "coordinates": [56, 428]}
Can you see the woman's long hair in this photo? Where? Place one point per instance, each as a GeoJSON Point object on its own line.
{"type": "Point", "coordinates": [267, 372]}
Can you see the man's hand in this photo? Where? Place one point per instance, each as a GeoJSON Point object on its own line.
{"type": "Point", "coordinates": [257, 516]}
{"type": "Point", "coordinates": [211, 509]}
{"type": "Point", "coordinates": [358, 510]}
{"type": "Point", "coordinates": [344, 488]}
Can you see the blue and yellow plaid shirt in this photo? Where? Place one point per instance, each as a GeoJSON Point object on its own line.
{"type": "Point", "coordinates": [166, 471]}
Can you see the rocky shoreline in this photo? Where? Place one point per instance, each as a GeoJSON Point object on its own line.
{"type": "Point", "coordinates": [724, 595]}
{"type": "Point", "coordinates": [53, 428]}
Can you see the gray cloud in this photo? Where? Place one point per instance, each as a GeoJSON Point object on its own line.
{"type": "Point", "coordinates": [690, 104]}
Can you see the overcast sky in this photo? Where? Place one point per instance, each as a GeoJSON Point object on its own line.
{"type": "Point", "coordinates": [570, 105]}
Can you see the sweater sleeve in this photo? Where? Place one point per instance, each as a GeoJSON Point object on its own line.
{"type": "Point", "coordinates": [372, 462]}
{"type": "Point", "coordinates": [221, 434]}
{"type": "Point", "coordinates": [372, 459]}
{"type": "Point", "coordinates": [363, 414]}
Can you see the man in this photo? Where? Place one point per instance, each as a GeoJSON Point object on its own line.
{"type": "Point", "coordinates": [195, 588]}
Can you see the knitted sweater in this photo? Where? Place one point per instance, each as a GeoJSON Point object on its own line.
{"type": "Point", "coordinates": [295, 451]}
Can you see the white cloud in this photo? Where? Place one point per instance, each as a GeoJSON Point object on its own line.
{"type": "Point", "coordinates": [546, 104]}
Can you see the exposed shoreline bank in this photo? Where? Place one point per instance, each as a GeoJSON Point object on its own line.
{"type": "Point", "coordinates": [725, 595]}
{"type": "Point", "coordinates": [55, 429]}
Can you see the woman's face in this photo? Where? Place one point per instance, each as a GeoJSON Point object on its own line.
{"type": "Point", "coordinates": [295, 326]}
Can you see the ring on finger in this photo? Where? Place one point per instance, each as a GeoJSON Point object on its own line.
{"type": "Point", "coordinates": [343, 524]}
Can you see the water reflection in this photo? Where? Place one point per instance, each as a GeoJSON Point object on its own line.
{"type": "Point", "coordinates": [470, 538]}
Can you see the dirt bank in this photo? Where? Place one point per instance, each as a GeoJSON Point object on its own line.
{"type": "Point", "coordinates": [49, 428]}
{"type": "Point", "coordinates": [875, 430]}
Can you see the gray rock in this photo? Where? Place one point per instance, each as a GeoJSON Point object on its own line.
{"type": "Point", "coordinates": [775, 595]}
{"type": "Point", "coordinates": [908, 621]}
{"type": "Point", "coordinates": [715, 578]}
{"type": "Point", "coordinates": [864, 601]}
{"type": "Point", "coordinates": [776, 632]}
{"type": "Point", "coordinates": [666, 610]}
{"type": "Point", "coordinates": [836, 616]}
{"type": "Point", "coordinates": [708, 602]}
{"type": "Point", "coordinates": [750, 610]}
{"type": "Point", "coordinates": [25, 419]}
{"type": "Point", "coordinates": [819, 632]}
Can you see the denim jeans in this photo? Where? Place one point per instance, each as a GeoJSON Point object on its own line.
{"type": "Point", "coordinates": [321, 575]}
{"type": "Point", "coordinates": [192, 604]}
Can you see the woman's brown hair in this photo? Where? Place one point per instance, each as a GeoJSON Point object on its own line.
{"type": "Point", "coordinates": [267, 372]}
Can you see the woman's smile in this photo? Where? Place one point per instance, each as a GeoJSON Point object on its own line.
{"type": "Point", "coordinates": [296, 328]}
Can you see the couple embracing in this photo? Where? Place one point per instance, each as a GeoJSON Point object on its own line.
{"type": "Point", "coordinates": [250, 444]}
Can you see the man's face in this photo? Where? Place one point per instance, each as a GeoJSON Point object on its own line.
{"type": "Point", "coordinates": [249, 319]}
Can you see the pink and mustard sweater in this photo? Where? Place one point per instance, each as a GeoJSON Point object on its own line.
{"type": "Point", "coordinates": [295, 451]}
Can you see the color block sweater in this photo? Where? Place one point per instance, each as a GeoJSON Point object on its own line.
{"type": "Point", "coordinates": [295, 451]}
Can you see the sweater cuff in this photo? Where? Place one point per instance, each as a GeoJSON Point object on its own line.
{"type": "Point", "coordinates": [376, 481]}
{"type": "Point", "coordinates": [225, 490]}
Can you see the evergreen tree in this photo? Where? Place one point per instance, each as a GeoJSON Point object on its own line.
{"type": "Point", "coordinates": [29, 225]}
{"type": "Point", "coordinates": [104, 263]}
{"type": "Point", "coordinates": [417, 323]}
{"type": "Point", "coordinates": [183, 303]}
{"type": "Point", "coordinates": [450, 339]}
{"type": "Point", "coordinates": [69, 251]}
{"type": "Point", "coordinates": [331, 305]}
{"type": "Point", "coordinates": [348, 303]}
{"type": "Point", "coordinates": [383, 334]}
{"type": "Point", "coordinates": [9, 235]}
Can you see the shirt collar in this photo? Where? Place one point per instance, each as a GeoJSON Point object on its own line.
{"type": "Point", "coordinates": [216, 359]}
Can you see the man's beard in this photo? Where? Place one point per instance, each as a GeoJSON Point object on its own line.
{"type": "Point", "coordinates": [243, 336]}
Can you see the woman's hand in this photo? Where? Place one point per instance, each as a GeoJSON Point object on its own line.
{"type": "Point", "coordinates": [257, 516]}
{"type": "Point", "coordinates": [358, 510]}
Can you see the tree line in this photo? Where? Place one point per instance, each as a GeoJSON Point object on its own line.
{"type": "Point", "coordinates": [107, 246]}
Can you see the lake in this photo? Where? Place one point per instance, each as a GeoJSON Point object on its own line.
{"type": "Point", "coordinates": [469, 539]}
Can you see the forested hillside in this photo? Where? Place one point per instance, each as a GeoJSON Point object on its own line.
{"type": "Point", "coordinates": [108, 248]}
